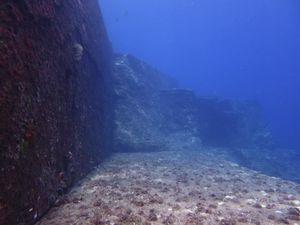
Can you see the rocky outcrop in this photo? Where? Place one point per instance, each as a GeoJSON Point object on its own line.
{"type": "Point", "coordinates": [232, 123]}
{"type": "Point", "coordinates": [143, 120]}
{"type": "Point", "coordinates": [282, 163]}
{"type": "Point", "coordinates": [55, 115]}
{"type": "Point", "coordinates": [152, 114]}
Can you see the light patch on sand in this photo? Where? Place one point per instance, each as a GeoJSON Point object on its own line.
{"type": "Point", "coordinates": [233, 164]}
{"type": "Point", "coordinates": [90, 191]}
{"type": "Point", "coordinates": [221, 218]}
{"type": "Point", "coordinates": [159, 180]}
{"type": "Point", "coordinates": [99, 177]}
{"type": "Point", "coordinates": [250, 201]}
{"type": "Point", "coordinates": [229, 197]}
{"type": "Point", "coordinates": [263, 193]}
{"type": "Point", "coordinates": [204, 214]}
{"type": "Point", "coordinates": [295, 202]}
{"type": "Point", "coordinates": [188, 211]}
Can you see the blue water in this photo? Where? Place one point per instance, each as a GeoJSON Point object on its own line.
{"type": "Point", "coordinates": [235, 49]}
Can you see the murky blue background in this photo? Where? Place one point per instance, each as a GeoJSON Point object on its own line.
{"type": "Point", "coordinates": [233, 48]}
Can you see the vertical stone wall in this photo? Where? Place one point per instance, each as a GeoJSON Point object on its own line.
{"type": "Point", "coordinates": [55, 61]}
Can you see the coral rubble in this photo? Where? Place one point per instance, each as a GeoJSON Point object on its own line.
{"type": "Point", "coordinates": [181, 187]}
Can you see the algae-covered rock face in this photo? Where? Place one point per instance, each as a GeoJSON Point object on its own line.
{"type": "Point", "coordinates": [55, 61]}
{"type": "Point", "coordinates": [152, 114]}
{"type": "Point", "coordinates": [143, 119]}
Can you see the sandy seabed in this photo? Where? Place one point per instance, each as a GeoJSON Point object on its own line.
{"type": "Point", "coordinates": [176, 188]}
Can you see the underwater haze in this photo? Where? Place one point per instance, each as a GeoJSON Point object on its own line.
{"type": "Point", "coordinates": [234, 49]}
{"type": "Point", "coordinates": [149, 112]}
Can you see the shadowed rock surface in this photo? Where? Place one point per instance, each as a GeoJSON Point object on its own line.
{"type": "Point", "coordinates": [55, 61]}
{"type": "Point", "coordinates": [232, 123]}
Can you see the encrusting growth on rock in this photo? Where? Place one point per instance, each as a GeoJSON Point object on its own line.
{"type": "Point", "coordinates": [77, 51]}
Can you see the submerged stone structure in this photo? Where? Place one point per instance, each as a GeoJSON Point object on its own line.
{"type": "Point", "coordinates": [153, 114]}
{"type": "Point", "coordinates": [55, 101]}
{"type": "Point", "coordinates": [66, 102]}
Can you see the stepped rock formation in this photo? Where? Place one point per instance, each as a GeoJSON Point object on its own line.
{"type": "Point", "coordinates": [152, 114]}
{"type": "Point", "coordinates": [60, 108]}
{"type": "Point", "coordinates": [55, 60]}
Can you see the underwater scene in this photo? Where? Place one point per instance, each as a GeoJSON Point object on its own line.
{"type": "Point", "coordinates": [139, 112]}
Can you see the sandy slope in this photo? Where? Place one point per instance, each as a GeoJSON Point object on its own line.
{"type": "Point", "coordinates": [177, 188]}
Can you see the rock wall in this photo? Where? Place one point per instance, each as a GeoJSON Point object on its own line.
{"type": "Point", "coordinates": [55, 61]}
{"type": "Point", "coordinates": [232, 123]}
{"type": "Point", "coordinates": [143, 121]}
{"type": "Point", "coordinates": [153, 115]}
